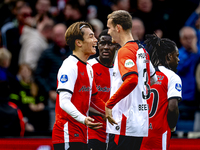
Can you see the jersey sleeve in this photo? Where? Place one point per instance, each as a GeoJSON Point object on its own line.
{"type": "Point", "coordinates": [67, 76]}
{"type": "Point", "coordinates": [127, 62]}
{"type": "Point", "coordinates": [175, 87]}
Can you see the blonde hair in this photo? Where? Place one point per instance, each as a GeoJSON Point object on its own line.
{"type": "Point", "coordinates": [4, 54]}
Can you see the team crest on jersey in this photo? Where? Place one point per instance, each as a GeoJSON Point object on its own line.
{"type": "Point", "coordinates": [178, 87]}
{"type": "Point", "coordinates": [64, 78]}
{"type": "Point", "coordinates": [129, 63]}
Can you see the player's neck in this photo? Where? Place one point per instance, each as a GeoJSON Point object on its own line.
{"type": "Point", "coordinates": [106, 62]}
{"type": "Point", "coordinates": [81, 56]}
{"type": "Point", "coordinates": [124, 38]}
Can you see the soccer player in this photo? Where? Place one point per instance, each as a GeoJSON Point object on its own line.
{"type": "Point", "coordinates": [76, 91]}
{"type": "Point", "coordinates": [165, 93]}
{"type": "Point", "coordinates": [127, 110]}
{"type": "Point", "coordinates": [103, 69]}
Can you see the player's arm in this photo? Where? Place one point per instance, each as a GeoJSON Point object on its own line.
{"type": "Point", "coordinates": [68, 107]}
{"type": "Point", "coordinates": [97, 103]}
{"type": "Point", "coordinates": [66, 104]}
{"type": "Point", "coordinates": [153, 79]}
{"type": "Point", "coordinates": [127, 86]}
{"type": "Point", "coordinates": [173, 112]}
{"type": "Point", "coordinates": [153, 76]}
{"type": "Point", "coordinates": [174, 97]}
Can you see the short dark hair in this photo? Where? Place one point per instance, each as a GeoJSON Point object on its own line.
{"type": "Point", "coordinates": [104, 33]}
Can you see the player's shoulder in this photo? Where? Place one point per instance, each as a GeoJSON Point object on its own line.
{"type": "Point", "coordinates": [69, 63]}
{"type": "Point", "coordinates": [92, 61]}
{"type": "Point", "coordinates": [171, 75]}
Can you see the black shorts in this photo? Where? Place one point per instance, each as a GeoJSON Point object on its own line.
{"type": "Point", "coordinates": [95, 144]}
{"type": "Point", "coordinates": [70, 146]}
{"type": "Point", "coordinates": [120, 142]}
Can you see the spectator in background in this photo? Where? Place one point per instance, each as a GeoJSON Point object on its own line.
{"type": "Point", "coordinates": [189, 55]}
{"type": "Point", "coordinates": [12, 33]}
{"type": "Point", "coordinates": [103, 69]}
{"type": "Point", "coordinates": [11, 123]}
{"type": "Point", "coordinates": [34, 42]}
{"type": "Point", "coordinates": [9, 10]}
{"type": "Point", "coordinates": [138, 29]}
{"type": "Point", "coordinates": [150, 17]}
{"type": "Point", "coordinates": [47, 67]}
{"type": "Point", "coordinates": [97, 25]}
{"type": "Point", "coordinates": [41, 11]}
{"type": "Point", "coordinates": [120, 5]}
{"type": "Point", "coordinates": [31, 102]}
{"type": "Point", "coordinates": [72, 12]}
{"type": "Point", "coordinates": [194, 22]}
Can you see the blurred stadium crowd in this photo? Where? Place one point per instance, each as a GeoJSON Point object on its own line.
{"type": "Point", "coordinates": [32, 48]}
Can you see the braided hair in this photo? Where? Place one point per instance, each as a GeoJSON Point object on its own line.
{"type": "Point", "coordinates": [158, 48]}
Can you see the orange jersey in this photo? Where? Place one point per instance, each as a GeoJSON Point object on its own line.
{"type": "Point", "coordinates": [131, 112]}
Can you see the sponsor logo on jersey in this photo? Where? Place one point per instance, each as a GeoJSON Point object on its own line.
{"type": "Point", "coordinates": [129, 63]}
{"type": "Point", "coordinates": [142, 55]}
{"type": "Point", "coordinates": [114, 74]}
{"type": "Point", "coordinates": [178, 87]}
{"type": "Point", "coordinates": [103, 89]}
{"type": "Point", "coordinates": [98, 74]}
{"type": "Point", "coordinates": [160, 78]}
{"type": "Point", "coordinates": [84, 89]}
{"type": "Point", "coordinates": [63, 78]}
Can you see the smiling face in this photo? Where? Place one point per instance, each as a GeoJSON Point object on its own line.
{"type": "Point", "coordinates": [89, 43]}
{"type": "Point", "coordinates": [107, 50]}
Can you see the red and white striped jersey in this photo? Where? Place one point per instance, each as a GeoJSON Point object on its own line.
{"type": "Point", "coordinates": [131, 112]}
{"type": "Point", "coordinates": [102, 77]}
{"type": "Point", "coordinates": [75, 77]}
{"type": "Point", "coordinates": [167, 87]}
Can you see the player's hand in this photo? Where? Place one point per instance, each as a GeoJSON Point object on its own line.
{"type": "Point", "coordinates": [109, 116]}
{"type": "Point", "coordinates": [90, 123]}
{"type": "Point", "coordinates": [103, 117]}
